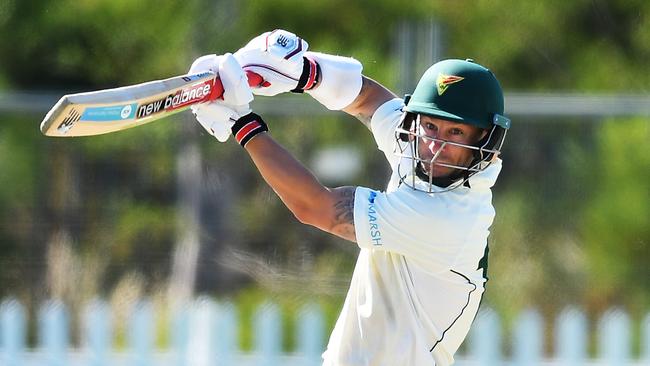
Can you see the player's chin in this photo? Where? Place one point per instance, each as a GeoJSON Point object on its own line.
{"type": "Point", "coordinates": [438, 171]}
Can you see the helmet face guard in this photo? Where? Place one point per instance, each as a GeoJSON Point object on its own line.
{"type": "Point", "coordinates": [409, 136]}
{"type": "Point", "coordinates": [459, 91]}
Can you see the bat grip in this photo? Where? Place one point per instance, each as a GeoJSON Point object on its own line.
{"type": "Point", "coordinates": [217, 90]}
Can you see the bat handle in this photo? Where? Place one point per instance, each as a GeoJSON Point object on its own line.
{"type": "Point", "coordinates": [217, 90]}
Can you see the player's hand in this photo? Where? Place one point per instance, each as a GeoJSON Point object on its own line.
{"type": "Point", "coordinates": [219, 116]}
{"type": "Point", "coordinates": [278, 57]}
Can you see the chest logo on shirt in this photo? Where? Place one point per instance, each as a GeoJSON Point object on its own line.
{"type": "Point", "coordinates": [444, 81]}
{"type": "Point", "coordinates": [375, 233]}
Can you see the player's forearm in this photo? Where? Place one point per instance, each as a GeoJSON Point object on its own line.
{"type": "Point", "coordinates": [296, 186]}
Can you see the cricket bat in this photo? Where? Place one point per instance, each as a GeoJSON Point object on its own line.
{"type": "Point", "coordinates": [110, 110]}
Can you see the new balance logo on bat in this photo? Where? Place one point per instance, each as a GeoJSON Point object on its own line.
{"type": "Point", "coordinates": [177, 100]}
{"type": "Point", "coordinates": [66, 124]}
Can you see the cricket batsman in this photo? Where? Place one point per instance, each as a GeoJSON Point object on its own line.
{"type": "Point", "coordinates": [421, 270]}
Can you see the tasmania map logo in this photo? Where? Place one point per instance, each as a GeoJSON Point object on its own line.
{"type": "Point", "coordinates": [444, 81]}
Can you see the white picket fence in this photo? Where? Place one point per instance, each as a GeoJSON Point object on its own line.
{"type": "Point", "coordinates": [205, 333]}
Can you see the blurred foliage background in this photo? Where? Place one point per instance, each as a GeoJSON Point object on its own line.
{"type": "Point", "coordinates": [127, 215]}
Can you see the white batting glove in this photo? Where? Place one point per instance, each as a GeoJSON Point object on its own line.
{"type": "Point", "coordinates": [278, 57]}
{"type": "Point", "coordinates": [218, 117]}
{"type": "Point", "coordinates": [282, 59]}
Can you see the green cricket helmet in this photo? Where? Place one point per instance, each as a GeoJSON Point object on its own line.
{"type": "Point", "coordinates": [460, 91]}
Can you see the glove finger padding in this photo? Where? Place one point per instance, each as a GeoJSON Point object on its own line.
{"type": "Point", "coordinates": [236, 91]}
{"type": "Point", "coordinates": [274, 81]}
{"type": "Point", "coordinates": [278, 57]}
{"type": "Point", "coordinates": [216, 119]}
{"type": "Point", "coordinates": [205, 63]}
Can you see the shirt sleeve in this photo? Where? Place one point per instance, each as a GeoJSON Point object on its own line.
{"type": "Point", "coordinates": [400, 222]}
{"type": "Point", "coordinates": [383, 124]}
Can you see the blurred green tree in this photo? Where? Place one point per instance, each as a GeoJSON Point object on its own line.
{"type": "Point", "coordinates": [79, 44]}
{"type": "Point", "coordinates": [615, 226]}
{"type": "Point", "coordinates": [595, 254]}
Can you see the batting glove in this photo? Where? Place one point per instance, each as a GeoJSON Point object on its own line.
{"type": "Point", "coordinates": [218, 117]}
{"type": "Point", "coordinates": [282, 59]}
{"type": "Point", "coordinates": [278, 57]}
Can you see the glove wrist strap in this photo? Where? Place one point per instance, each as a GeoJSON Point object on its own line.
{"type": "Point", "coordinates": [309, 77]}
{"type": "Point", "coordinates": [248, 127]}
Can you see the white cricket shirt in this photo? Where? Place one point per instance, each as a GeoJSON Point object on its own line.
{"type": "Point", "coordinates": [417, 284]}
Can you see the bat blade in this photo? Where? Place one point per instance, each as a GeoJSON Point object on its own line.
{"type": "Point", "coordinates": [104, 111]}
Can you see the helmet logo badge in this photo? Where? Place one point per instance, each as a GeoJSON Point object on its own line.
{"type": "Point", "coordinates": [444, 81]}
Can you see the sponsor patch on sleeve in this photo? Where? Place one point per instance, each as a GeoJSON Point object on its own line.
{"type": "Point", "coordinates": [373, 225]}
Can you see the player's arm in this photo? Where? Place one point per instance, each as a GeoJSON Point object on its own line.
{"type": "Point", "coordinates": [371, 97]}
{"type": "Point", "coordinates": [282, 60]}
{"type": "Point", "coordinates": [330, 210]}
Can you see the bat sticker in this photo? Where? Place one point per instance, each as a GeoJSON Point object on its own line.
{"type": "Point", "coordinates": [109, 113]}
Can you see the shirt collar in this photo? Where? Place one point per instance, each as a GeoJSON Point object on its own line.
{"type": "Point", "coordinates": [486, 178]}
